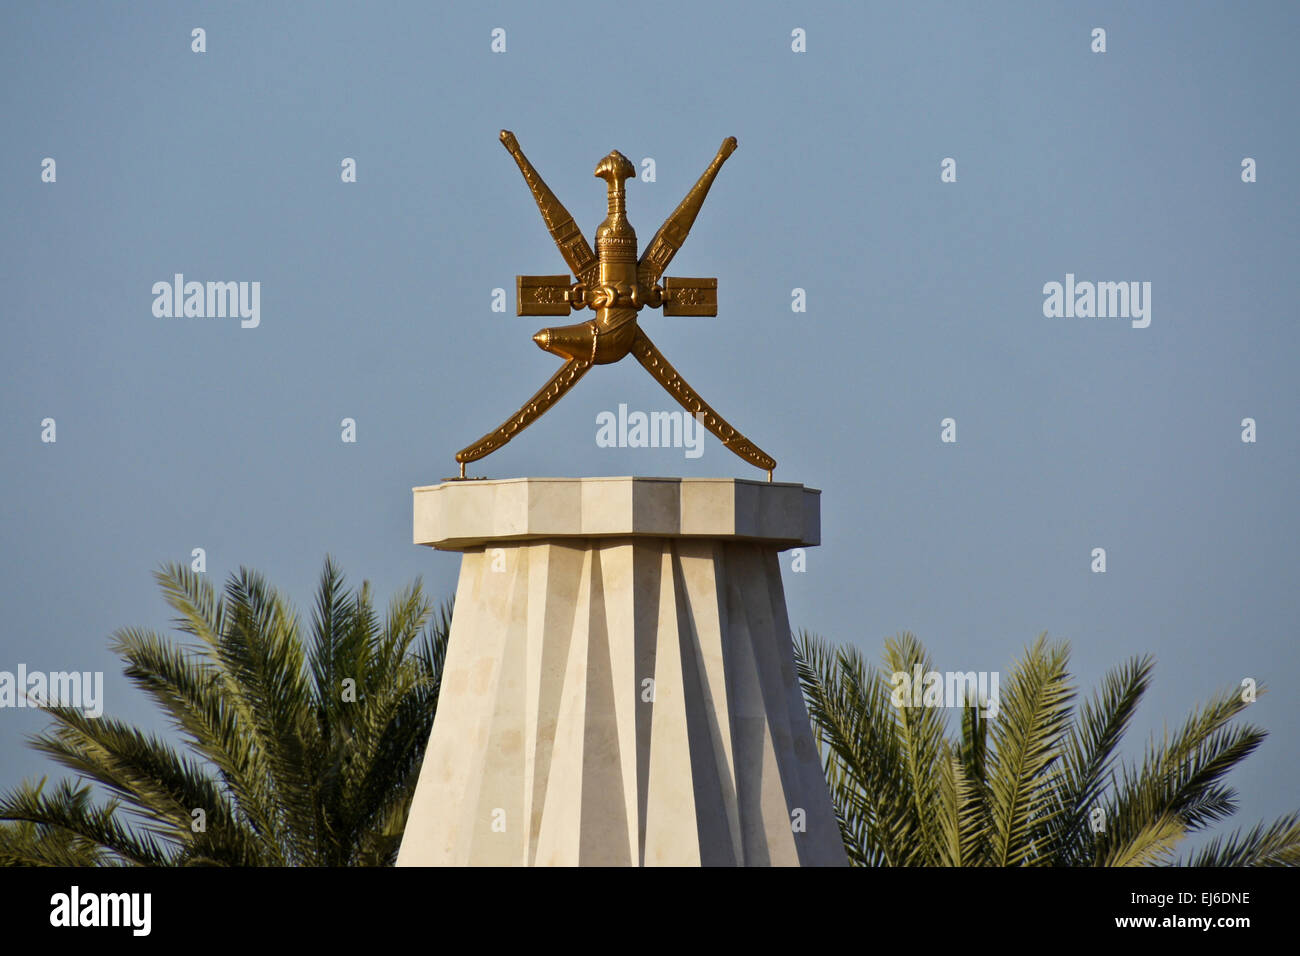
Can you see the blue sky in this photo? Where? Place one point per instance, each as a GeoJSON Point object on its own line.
{"type": "Point", "coordinates": [924, 301]}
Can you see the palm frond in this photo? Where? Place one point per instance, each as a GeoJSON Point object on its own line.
{"type": "Point", "coordinates": [1278, 844]}
{"type": "Point", "coordinates": [278, 765]}
{"type": "Point", "coordinates": [68, 811]}
{"type": "Point", "coordinates": [1032, 720]}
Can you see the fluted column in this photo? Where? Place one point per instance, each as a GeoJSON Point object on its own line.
{"type": "Point", "coordinates": [619, 687]}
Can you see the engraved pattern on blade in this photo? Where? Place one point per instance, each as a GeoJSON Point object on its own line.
{"type": "Point", "coordinates": [533, 409]}
{"type": "Point", "coordinates": [670, 379]}
{"type": "Point", "coordinates": [672, 234]}
{"type": "Point", "coordinates": [564, 230]}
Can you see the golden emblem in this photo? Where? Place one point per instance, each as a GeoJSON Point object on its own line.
{"type": "Point", "coordinates": [616, 285]}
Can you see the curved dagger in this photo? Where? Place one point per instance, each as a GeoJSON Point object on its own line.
{"type": "Point", "coordinates": [672, 234]}
{"type": "Point", "coordinates": [533, 409]}
{"type": "Point", "coordinates": [670, 379]}
{"type": "Point", "coordinates": [609, 340]}
{"type": "Point", "coordinates": [568, 237]}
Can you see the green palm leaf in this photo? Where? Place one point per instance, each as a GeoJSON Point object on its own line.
{"type": "Point", "coordinates": [1037, 783]}
{"type": "Point", "coordinates": [293, 749]}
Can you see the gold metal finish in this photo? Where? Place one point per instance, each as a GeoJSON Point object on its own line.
{"type": "Point", "coordinates": [690, 296]}
{"type": "Point", "coordinates": [616, 285]}
{"type": "Point", "coordinates": [542, 295]}
{"type": "Point", "coordinates": [547, 395]}
{"type": "Point", "coordinates": [654, 362]}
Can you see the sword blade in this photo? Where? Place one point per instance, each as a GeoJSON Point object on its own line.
{"type": "Point", "coordinates": [564, 231]}
{"type": "Point", "coordinates": [672, 234]}
{"type": "Point", "coordinates": [533, 409]}
{"type": "Point", "coordinates": [689, 399]}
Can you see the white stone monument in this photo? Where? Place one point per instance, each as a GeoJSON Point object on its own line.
{"type": "Point", "coordinates": [619, 686]}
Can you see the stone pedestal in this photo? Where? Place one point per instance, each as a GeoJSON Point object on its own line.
{"type": "Point", "coordinates": [619, 687]}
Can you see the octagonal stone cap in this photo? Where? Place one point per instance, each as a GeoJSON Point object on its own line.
{"type": "Point", "coordinates": [460, 515]}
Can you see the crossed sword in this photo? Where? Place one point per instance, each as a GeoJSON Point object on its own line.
{"type": "Point", "coordinates": [615, 284]}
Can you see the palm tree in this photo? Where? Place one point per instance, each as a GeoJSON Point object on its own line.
{"type": "Point", "coordinates": [294, 751]}
{"type": "Point", "coordinates": [34, 844]}
{"type": "Point", "coordinates": [1039, 783]}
